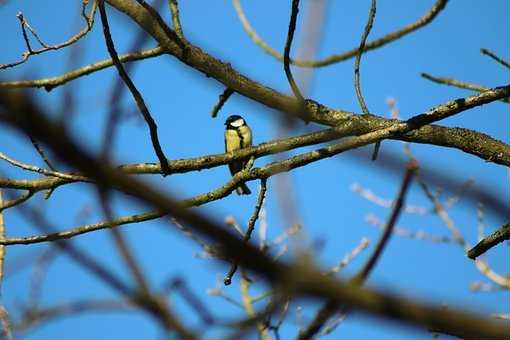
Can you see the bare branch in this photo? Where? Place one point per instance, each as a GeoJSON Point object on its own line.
{"type": "Point", "coordinates": [222, 100]}
{"type": "Point", "coordinates": [153, 128]}
{"type": "Point", "coordinates": [286, 53]}
{"type": "Point", "coordinates": [251, 226]}
{"type": "Point", "coordinates": [495, 57]}
{"type": "Point", "coordinates": [500, 235]}
{"type": "Point", "coordinates": [89, 21]}
{"type": "Point", "coordinates": [460, 84]}
{"type": "Point", "coordinates": [372, 45]}
{"type": "Point", "coordinates": [176, 21]}
{"type": "Point", "coordinates": [52, 82]}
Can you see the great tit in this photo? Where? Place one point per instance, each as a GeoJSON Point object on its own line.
{"type": "Point", "coordinates": [237, 136]}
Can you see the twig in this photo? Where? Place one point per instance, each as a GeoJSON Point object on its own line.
{"type": "Point", "coordinates": [134, 91]}
{"type": "Point", "coordinates": [366, 32]}
{"type": "Point", "coordinates": [357, 85]}
{"type": "Point", "coordinates": [52, 82]}
{"type": "Point", "coordinates": [251, 226]}
{"type": "Point", "coordinates": [286, 53]}
{"type": "Point", "coordinates": [459, 84]}
{"type": "Point", "coordinates": [115, 112]}
{"type": "Point", "coordinates": [500, 235]}
{"type": "Point", "coordinates": [41, 153]}
{"type": "Point", "coordinates": [14, 202]}
{"type": "Point", "coordinates": [372, 45]}
{"type": "Point", "coordinates": [89, 21]}
{"type": "Point", "coordinates": [417, 235]}
{"type": "Point", "coordinates": [221, 101]}
{"type": "Point", "coordinates": [385, 203]}
{"type": "Point", "coordinates": [176, 22]}
{"type": "Point", "coordinates": [350, 256]}
{"type": "Point", "coordinates": [87, 228]}
{"type": "Point", "coordinates": [41, 171]}
{"type": "Point", "coordinates": [495, 57]}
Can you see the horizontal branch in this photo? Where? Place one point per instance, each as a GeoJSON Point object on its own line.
{"type": "Point", "coordinates": [52, 82]}
{"type": "Point", "coordinates": [186, 165]}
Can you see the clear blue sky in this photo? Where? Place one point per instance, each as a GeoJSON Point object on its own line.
{"type": "Point", "coordinates": [180, 100]}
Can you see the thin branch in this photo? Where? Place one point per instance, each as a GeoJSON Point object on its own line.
{"type": "Point", "coordinates": [39, 170]}
{"type": "Point", "coordinates": [403, 232]}
{"type": "Point", "coordinates": [251, 226]}
{"type": "Point", "coordinates": [221, 101]}
{"type": "Point", "coordinates": [372, 45]}
{"type": "Point", "coordinates": [176, 21]}
{"type": "Point", "coordinates": [495, 57]}
{"type": "Point", "coordinates": [350, 256]}
{"type": "Point", "coordinates": [87, 228]}
{"type": "Point", "coordinates": [134, 91]}
{"type": "Point", "coordinates": [89, 21]}
{"type": "Point", "coordinates": [357, 85]}
{"type": "Point", "coordinates": [460, 84]}
{"type": "Point", "coordinates": [41, 153]}
{"type": "Point", "coordinates": [52, 82]}
{"type": "Point", "coordinates": [500, 235]}
{"type": "Point", "coordinates": [15, 201]}
{"type": "Point", "coordinates": [366, 32]}
{"type": "Point", "coordinates": [286, 53]}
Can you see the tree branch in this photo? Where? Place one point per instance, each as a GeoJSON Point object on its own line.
{"type": "Point", "coordinates": [438, 6]}
{"type": "Point", "coordinates": [500, 235]}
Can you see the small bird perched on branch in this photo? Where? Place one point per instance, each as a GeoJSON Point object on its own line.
{"type": "Point", "coordinates": [237, 136]}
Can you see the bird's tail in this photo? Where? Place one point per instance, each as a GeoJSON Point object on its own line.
{"type": "Point", "coordinates": [243, 190]}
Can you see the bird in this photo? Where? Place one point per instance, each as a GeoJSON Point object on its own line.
{"type": "Point", "coordinates": [237, 136]}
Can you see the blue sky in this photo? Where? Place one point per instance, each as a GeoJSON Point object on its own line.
{"type": "Point", "coordinates": [180, 100]}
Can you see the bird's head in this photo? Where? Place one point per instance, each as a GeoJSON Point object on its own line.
{"type": "Point", "coordinates": [235, 121]}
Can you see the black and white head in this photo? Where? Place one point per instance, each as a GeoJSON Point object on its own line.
{"type": "Point", "coordinates": [235, 122]}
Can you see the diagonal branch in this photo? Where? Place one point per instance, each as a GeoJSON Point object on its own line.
{"type": "Point", "coordinates": [500, 235]}
{"type": "Point", "coordinates": [495, 57]}
{"type": "Point", "coordinates": [153, 128]}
